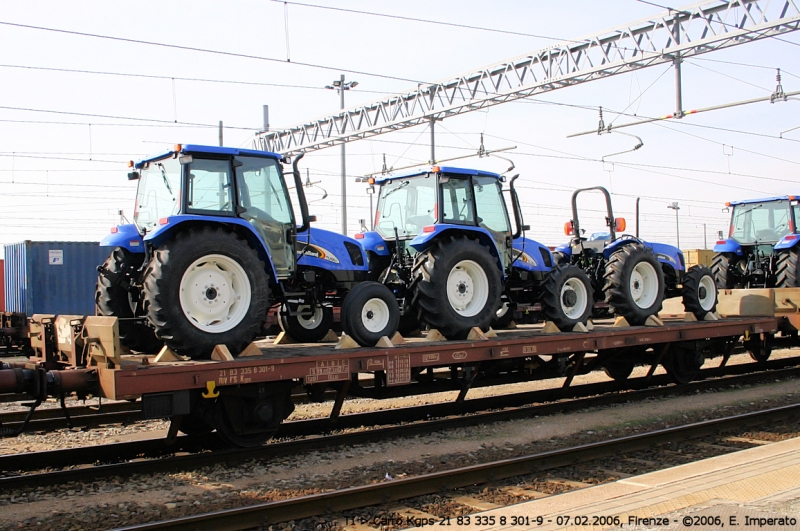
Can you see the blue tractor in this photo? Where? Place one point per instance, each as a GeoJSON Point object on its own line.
{"type": "Point", "coordinates": [444, 245]}
{"type": "Point", "coordinates": [634, 276]}
{"type": "Point", "coordinates": [761, 250]}
{"type": "Point", "coordinates": [214, 244]}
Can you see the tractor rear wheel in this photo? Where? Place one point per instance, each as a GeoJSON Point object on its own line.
{"type": "Point", "coordinates": [112, 299]}
{"type": "Point", "coordinates": [699, 291]}
{"type": "Point", "coordinates": [460, 287]}
{"type": "Point", "coordinates": [634, 283]}
{"type": "Point", "coordinates": [369, 312]}
{"type": "Point", "coordinates": [206, 287]}
{"type": "Point", "coordinates": [788, 269]}
{"type": "Point", "coordinates": [567, 297]}
{"type": "Point", "coordinates": [723, 267]}
{"type": "Point", "coordinates": [307, 325]}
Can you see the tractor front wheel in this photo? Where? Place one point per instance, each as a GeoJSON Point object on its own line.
{"type": "Point", "coordinates": [369, 312]}
{"type": "Point", "coordinates": [206, 287]}
{"type": "Point", "coordinates": [567, 297]}
{"type": "Point", "coordinates": [307, 325]}
{"type": "Point", "coordinates": [460, 287]}
{"type": "Point", "coordinates": [699, 291]}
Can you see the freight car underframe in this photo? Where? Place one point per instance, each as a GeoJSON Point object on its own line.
{"type": "Point", "coordinates": [246, 398]}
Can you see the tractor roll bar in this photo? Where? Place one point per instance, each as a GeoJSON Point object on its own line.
{"type": "Point", "coordinates": [612, 224]}
{"type": "Point", "coordinates": [301, 195]}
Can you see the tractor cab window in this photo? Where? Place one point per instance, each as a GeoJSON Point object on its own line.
{"type": "Point", "coordinates": [266, 205]}
{"type": "Point", "coordinates": [491, 206]}
{"type": "Point", "coordinates": [210, 187]}
{"type": "Point", "coordinates": [765, 222]}
{"type": "Point", "coordinates": [407, 205]}
{"type": "Point", "coordinates": [457, 201]}
{"type": "Point", "coordinates": [159, 192]}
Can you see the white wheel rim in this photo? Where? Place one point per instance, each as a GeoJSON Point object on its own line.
{"type": "Point", "coordinates": [375, 315]}
{"type": "Point", "coordinates": [502, 310]}
{"type": "Point", "coordinates": [309, 322]}
{"type": "Point", "coordinates": [215, 293]}
{"type": "Point", "coordinates": [467, 288]}
{"type": "Point", "coordinates": [643, 285]}
{"type": "Point", "coordinates": [706, 292]}
{"type": "Point", "coordinates": [574, 289]}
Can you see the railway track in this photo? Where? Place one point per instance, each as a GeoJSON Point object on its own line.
{"type": "Point", "coordinates": [51, 419]}
{"type": "Point", "coordinates": [383, 494]}
{"type": "Point", "coordinates": [115, 459]}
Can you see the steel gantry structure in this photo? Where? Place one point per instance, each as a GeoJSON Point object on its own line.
{"type": "Point", "coordinates": [667, 38]}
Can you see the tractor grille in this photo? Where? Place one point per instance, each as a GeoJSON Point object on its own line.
{"type": "Point", "coordinates": [548, 259]}
{"type": "Point", "coordinates": [356, 256]}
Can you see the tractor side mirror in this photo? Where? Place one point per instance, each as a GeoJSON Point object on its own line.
{"type": "Point", "coordinates": [133, 176]}
{"type": "Point", "coordinates": [312, 219]}
{"type": "Point", "coordinates": [619, 224]}
{"type": "Point", "coordinates": [526, 227]}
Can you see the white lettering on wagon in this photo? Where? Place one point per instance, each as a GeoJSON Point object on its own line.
{"type": "Point", "coordinates": [328, 371]}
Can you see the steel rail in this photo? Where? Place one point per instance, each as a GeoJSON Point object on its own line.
{"type": "Point", "coordinates": [120, 451]}
{"type": "Point", "coordinates": [375, 494]}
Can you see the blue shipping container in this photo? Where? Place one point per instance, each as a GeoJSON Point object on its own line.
{"type": "Point", "coordinates": [52, 277]}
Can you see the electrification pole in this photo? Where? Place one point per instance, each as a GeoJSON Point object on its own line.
{"type": "Point", "coordinates": [341, 86]}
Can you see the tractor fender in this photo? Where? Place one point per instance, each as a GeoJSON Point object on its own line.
{"type": "Point", "coordinates": [728, 246]}
{"type": "Point", "coordinates": [665, 253]}
{"type": "Point", "coordinates": [531, 255]}
{"type": "Point", "coordinates": [164, 232]}
{"type": "Point", "coordinates": [424, 240]}
{"type": "Point", "coordinates": [373, 242]}
{"type": "Point", "coordinates": [787, 242]}
{"type": "Point", "coordinates": [125, 236]}
{"type": "Point", "coordinates": [329, 250]}
{"type": "Point", "coordinates": [669, 255]}
{"type": "Point", "coordinates": [564, 248]}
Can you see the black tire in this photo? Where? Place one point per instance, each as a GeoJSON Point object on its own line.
{"type": "Point", "coordinates": [722, 267]}
{"type": "Point", "coordinates": [567, 297]}
{"type": "Point", "coordinates": [168, 309]}
{"type": "Point", "coordinates": [634, 283]}
{"type": "Point", "coordinates": [463, 258]}
{"type": "Point", "coordinates": [307, 328]}
{"type": "Point", "coordinates": [113, 300]}
{"type": "Point", "coordinates": [504, 315]}
{"type": "Point", "coordinates": [619, 370]}
{"type": "Point", "coordinates": [369, 312]}
{"type": "Point", "coordinates": [788, 268]}
{"type": "Point", "coordinates": [699, 291]}
{"type": "Point", "coordinates": [683, 364]}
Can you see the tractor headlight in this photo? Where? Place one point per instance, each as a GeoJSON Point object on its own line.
{"type": "Point", "coordinates": [524, 257]}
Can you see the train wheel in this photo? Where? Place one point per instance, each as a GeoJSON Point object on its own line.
{"type": "Point", "coordinates": [247, 417]}
{"type": "Point", "coordinates": [619, 370]}
{"type": "Point", "coordinates": [758, 348]}
{"type": "Point", "coordinates": [683, 364]}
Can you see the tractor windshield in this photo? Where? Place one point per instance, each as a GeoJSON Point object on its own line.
{"type": "Point", "coordinates": [406, 204]}
{"type": "Point", "coordinates": [765, 222]}
{"type": "Point", "coordinates": [158, 195]}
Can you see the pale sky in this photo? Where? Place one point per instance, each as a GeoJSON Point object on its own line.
{"type": "Point", "coordinates": [75, 108]}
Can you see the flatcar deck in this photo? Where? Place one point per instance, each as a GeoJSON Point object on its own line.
{"type": "Point", "coordinates": [323, 363]}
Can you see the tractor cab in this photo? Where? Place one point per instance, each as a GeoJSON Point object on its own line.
{"type": "Point", "coordinates": [204, 183]}
{"type": "Point", "coordinates": [418, 207]}
{"type": "Point", "coordinates": [762, 233]}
